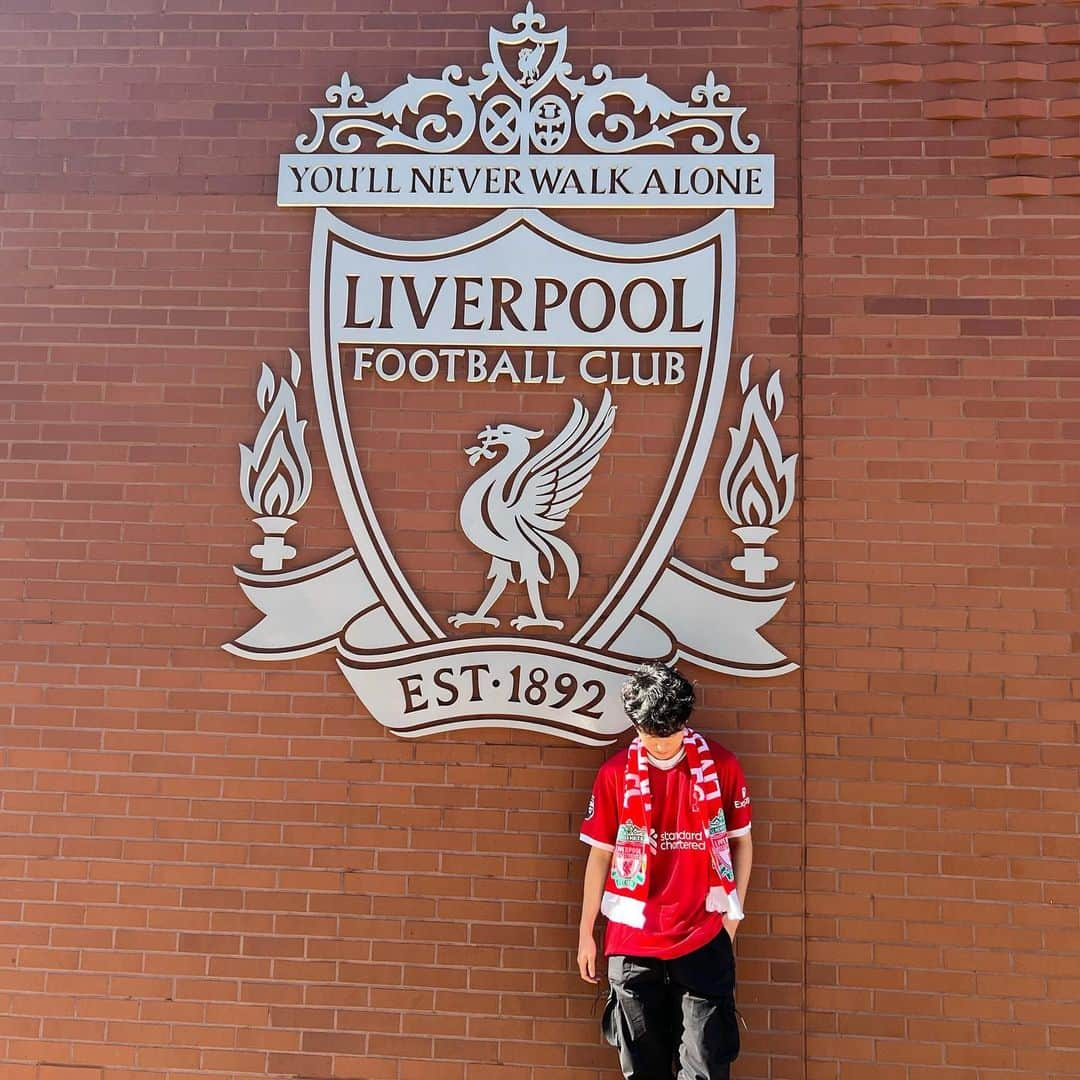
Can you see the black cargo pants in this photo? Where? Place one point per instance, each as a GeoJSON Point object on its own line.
{"type": "Point", "coordinates": [674, 1018]}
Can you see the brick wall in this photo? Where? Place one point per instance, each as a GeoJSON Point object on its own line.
{"type": "Point", "coordinates": [940, 379]}
{"type": "Point", "coordinates": [216, 869]}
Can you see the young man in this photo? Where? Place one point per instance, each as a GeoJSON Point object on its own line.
{"type": "Point", "coordinates": [669, 827]}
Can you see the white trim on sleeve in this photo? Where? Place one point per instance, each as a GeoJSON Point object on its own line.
{"type": "Point", "coordinates": [739, 832]}
{"type": "Point", "coordinates": [595, 843]}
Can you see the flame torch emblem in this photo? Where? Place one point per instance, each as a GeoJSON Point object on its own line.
{"type": "Point", "coordinates": [757, 486]}
{"type": "Point", "coordinates": [275, 471]}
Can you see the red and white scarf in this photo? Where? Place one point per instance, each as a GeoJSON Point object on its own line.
{"type": "Point", "coordinates": [627, 893]}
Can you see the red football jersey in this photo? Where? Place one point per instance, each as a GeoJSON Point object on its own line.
{"type": "Point", "coordinates": [676, 922]}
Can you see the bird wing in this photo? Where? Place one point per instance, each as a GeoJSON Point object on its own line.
{"type": "Point", "coordinates": [550, 483]}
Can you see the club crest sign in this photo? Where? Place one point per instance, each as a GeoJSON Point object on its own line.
{"type": "Point", "coordinates": [538, 564]}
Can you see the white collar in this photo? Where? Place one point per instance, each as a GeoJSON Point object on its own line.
{"type": "Point", "coordinates": [668, 763]}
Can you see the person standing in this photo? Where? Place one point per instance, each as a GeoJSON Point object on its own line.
{"type": "Point", "coordinates": [668, 824]}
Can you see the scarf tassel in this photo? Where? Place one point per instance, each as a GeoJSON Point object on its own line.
{"type": "Point", "coordinates": [623, 909]}
{"type": "Point", "coordinates": [719, 899]}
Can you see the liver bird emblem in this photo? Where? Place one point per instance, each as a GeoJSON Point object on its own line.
{"type": "Point", "coordinates": [513, 511]}
{"type": "Point", "coordinates": [529, 64]}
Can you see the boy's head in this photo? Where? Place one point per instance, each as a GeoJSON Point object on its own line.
{"type": "Point", "coordinates": [658, 700]}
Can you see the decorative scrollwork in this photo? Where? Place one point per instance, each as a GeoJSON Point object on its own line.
{"type": "Point", "coordinates": [710, 93]}
{"type": "Point", "coordinates": [529, 19]}
{"type": "Point", "coordinates": [345, 93]}
{"type": "Point", "coordinates": [610, 115]}
{"type": "Point", "coordinates": [618, 131]}
{"type": "Point", "coordinates": [433, 132]}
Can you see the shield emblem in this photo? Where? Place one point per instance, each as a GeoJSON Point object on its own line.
{"type": "Point", "coordinates": [528, 59]}
{"type": "Point", "coordinates": [410, 315]}
{"type": "Point", "coordinates": [628, 865]}
{"type": "Point", "coordinates": [394, 320]}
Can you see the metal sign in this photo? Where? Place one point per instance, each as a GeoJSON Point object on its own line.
{"type": "Point", "coordinates": [561, 332]}
{"type": "Point", "coordinates": [525, 108]}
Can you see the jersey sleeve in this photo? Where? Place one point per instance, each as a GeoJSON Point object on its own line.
{"type": "Point", "coordinates": [736, 796]}
{"type": "Point", "coordinates": [601, 824]}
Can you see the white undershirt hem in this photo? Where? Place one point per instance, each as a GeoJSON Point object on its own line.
{"type": "Point", "coordinates": [666, 763]}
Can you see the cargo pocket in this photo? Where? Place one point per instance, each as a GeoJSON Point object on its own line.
{"type": "Point", "coordinates": [710, 1032]}
{"type": "Point", "coordinates": [632, 989]}
{"type": "Point", "coordinates": [710, 1024]}
{"type": "Point", "coordinates": [607, 1022]}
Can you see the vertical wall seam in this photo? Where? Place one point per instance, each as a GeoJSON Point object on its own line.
{"type": "Point", "coordinates": [800, 317]}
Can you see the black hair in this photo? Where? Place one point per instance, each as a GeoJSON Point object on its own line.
{"type": "Point", "coordinates": [658, 700]}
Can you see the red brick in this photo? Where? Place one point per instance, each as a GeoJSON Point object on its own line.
{"type": "Point", "coordinates": [830, 34]}
{"type": "Point", "coordinates": [1066, 147]}
{"type": "Point", "coordinates": [1016, 34]}
{"type": "Point", "coordinates": [952, 33]}
{"type": "Point", "coordinates": [1067, 185]}
{"type": "Point", "coordinates": [891, 34]}
{"type": "Point", "coordinates": [1021, 186]}
{"type": "Point", "coordinates": [1066, 72]}
{"type": "Point", "coordinates": [1067, 108]}
{"type": "Point", "coordinates": [893, 73]}
{"type": "Point", "coordinates": [954, 71]}
{"type": "Point", "coordinates": [1020, 146]}
{"type": "Point", "coordinates": [1017, 71]}
{"type": "Point", "coordinates": [1063, 34]}
{"type": "Point", "coordinates": [955, 109]}
{"type": "Point", "coordinates": [1014, 108]}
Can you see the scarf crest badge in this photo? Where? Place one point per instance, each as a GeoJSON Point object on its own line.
{"type": "Point", "coordinates": [716, 831]}
{"type": "Point", "coordinates": [450, 599]}
{"type": "Point", "coordinates": [631, 855]}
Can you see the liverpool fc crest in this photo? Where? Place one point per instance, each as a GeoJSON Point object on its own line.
{"type": "Point", "coordinates": [540, 565]}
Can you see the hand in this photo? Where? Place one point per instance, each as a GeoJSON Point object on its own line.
{"type": "Point", "coordinates": [730, 926]}
{"type": "Point", "coordinates": [586, 957]}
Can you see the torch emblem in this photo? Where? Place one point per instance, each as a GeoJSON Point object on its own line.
{"type": "Point", "coordinates": [275, 471]}
{"type": "Point", "coordinates": [757, 486]}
